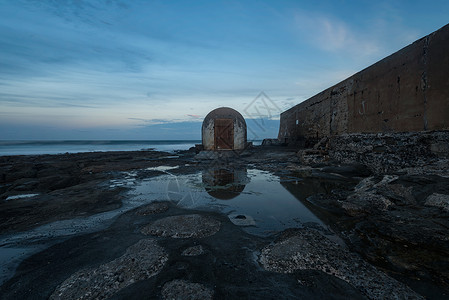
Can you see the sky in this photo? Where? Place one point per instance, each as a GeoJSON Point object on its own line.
{"type": "Point", "coordinates": [116, 69]}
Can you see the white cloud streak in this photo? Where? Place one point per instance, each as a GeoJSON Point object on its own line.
{"type": "Point", "coordinates": [330, 34]}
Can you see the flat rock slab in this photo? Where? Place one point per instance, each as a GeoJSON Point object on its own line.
{"type": "Point", "coordinates": [242, 220]}
{"type": "Point", "coordinates": [182, 289]}
{"type": "Point", "coordinates": [438, 200]}
{"type": "Point", "coordinates": [153, 208]}
{"type": "Point", "coordinates": [306, 249]}
{"type": "Point", "coordinates": [183, 226]}
{"type": "Point", "coordinates": [366, 199]}
{"type": "Point", "coordinates": [140, 261]}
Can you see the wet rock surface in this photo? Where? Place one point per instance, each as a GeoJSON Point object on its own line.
{"type": "Point", "coordinates": [185, 226]}
{"type": "Point", "coordinates": [193, 251]}
{"type": "Point", "coordinates": [101, 264]}
{"type": "Point", "coordinates": [398, 223]}
{"type": "Point", "coordinates": [438, 200]}
{"type": "Point", "coordinates": [141, 261]}
{"type": "Point", "coordinates": [393, 221]}
{"type": "Point", "coordinates": [242, 220]}
{"type": "Point", "coordinates": [153, 208]}
{"type": "Point", "coordinates": [181, 289]}
{"type": "Point", "coordinates": [308, 250]}
{"type": "Point", "coordinates": [69, 185]}
{"type": "Point", "coordinates": [388, 152]}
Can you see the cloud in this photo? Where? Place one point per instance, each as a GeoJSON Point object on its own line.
{"type": "Point", "coordinates": [38, 34]}
{"type": "Point", "coordinates": [194, 116]}
{"type": "Point", "coordinates": [15, 100]}
{"type": "Point", "coordinates": [147, 122]}
{"type": "Point", "coordinates": [141, 63]}
{"type": "Point", "coordinates": [331, 34]}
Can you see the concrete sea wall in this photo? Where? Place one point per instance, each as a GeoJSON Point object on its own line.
{"type": "Point", "coordinates": [407, 91]}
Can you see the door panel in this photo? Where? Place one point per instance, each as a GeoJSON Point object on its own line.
{"type": "Point", "coordinates": [224, 134]}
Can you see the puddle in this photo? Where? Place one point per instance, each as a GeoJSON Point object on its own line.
{"type": "Point", "coordinates": [259, 201]}
{"type": "Point", "coordinates": [21, 196]}
{"type": "Point", "coordinates": [10, 258]}
{"type": "Point", "coordinates": [162, 168]}
{"type": "Point", "coordinates": [14, 248]}
{"type": "Point", "coordinates": [129, 179]}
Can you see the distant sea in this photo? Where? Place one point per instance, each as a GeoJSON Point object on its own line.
{"type": "Point", "coordinates": [58, 147]}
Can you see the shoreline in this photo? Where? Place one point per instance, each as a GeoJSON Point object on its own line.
{"type": "Point", "coordinates": [57, 147]}
{"type": "Point", "coordinates": [400, 227]}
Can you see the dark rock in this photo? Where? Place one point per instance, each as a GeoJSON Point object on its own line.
{"type": "Point", "coordinates": [193, 251]}
{"type": "Point", "coordinates": [141, 261]}
{"type": "Point", "coordinates": [184, 226]}
{"type": "Point", "coordinates": [308, 250]}
{"type": "Point", "coordinates": [182, 289]}
{"type": "Point", "coordinates": [389, 152]}
{"type": "Point", "coordinates": [153, 208]}
{"type": "Point", "coordinates": [242, 220]}
{"type": "Point", "coordinates": [438, 200]}
{"type": "Point", "coordinates": [271, 142]}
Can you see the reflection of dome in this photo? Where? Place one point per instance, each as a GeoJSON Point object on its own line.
{"type": "Point", "coordinates": [224, 184]}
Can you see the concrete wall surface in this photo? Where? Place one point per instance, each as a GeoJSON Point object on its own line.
{"type": "Point", "coordinates": [407, 91]}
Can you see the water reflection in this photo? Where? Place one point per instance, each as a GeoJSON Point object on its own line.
{"type": "Point", "coordinates": [225, 183]}
{"type": "Point", "coordinates": [251, 198]}
{"type": "Point", "coordinates": [305, 189]}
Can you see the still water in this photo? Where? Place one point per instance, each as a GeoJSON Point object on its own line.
{"type": "Point", "coordinates": [260, 202]}
{"type": "Point", "coordinates": [257, 200]}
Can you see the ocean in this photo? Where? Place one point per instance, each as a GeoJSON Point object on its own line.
{"type": "Point", "coordinates": [58, 147]}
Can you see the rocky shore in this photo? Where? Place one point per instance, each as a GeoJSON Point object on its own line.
{"type": "Point", "coordinates": [386, 233]}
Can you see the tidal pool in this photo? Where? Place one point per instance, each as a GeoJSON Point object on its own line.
{"type": "Point", "coordinates": [260, 202]}
{"type": "Point", "coordinates": [257, 200]}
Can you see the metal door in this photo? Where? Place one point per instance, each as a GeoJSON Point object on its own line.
{"type": "Point", "coordinates": [224, 134]}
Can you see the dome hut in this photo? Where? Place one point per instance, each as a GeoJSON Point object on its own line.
{"type": "Point", "coordinates": [224, 129]}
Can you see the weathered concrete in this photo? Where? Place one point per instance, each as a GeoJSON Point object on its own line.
{"type": "Point", "coordinates": [224, 129]}
{"type": "Point", "coordinates": [406, 91]}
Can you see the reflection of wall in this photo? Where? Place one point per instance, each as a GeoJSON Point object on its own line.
{"type": "Point", "coordinates": [209, 131]}
{"type": "Point", "coordinates": [406, 91]}
{"type": "Point", "coordinates": [223, 183]}
{"type": "Point", "coordinates": [307, 187]}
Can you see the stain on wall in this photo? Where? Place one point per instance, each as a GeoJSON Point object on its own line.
{"type": "Point", "coordinates": [407, 91]}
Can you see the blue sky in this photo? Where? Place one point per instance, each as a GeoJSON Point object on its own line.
{"type": "Point", "coordinates": [106, 69]}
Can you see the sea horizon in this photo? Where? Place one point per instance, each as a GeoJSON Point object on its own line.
{"type": "Point", "coordinates": [38, 147]}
